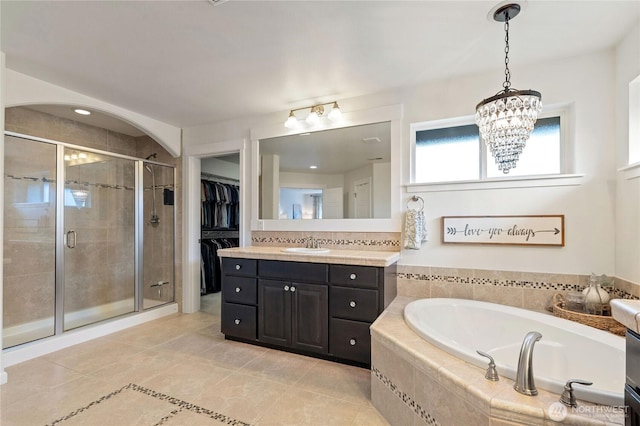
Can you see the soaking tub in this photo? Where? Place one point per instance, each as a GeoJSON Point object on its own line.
{"type": "Point", "coordinates": [567, 350]}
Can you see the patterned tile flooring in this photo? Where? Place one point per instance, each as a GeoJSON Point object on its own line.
{"type": "Point", "coordinates": [179, 370]}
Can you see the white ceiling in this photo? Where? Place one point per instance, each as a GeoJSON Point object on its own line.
{"type": "Point", "coordinates": [189, 63]}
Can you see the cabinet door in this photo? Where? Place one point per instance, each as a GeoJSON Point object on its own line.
{"type": "Point", "coordinates": [310, 317]}
{"type": "Point", "coordinates": [274, 311]}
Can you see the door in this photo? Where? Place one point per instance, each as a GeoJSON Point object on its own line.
{"type": "Point", "coordinates": [274, 310]}
{"type": "Point", "coordinates": [332, 203]}
{"type": "Point", "coordinates": [362, 194]}
{"type": "Point", "coordinates": [99, 237]}
{"type": "Point", "coordinates": [310, 317]}
{"type": "Point", "coordinates": [29, 241]}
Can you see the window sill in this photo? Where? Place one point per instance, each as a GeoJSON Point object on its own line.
{"type": "Point", "coordinates": [498, 183]}
{"type": "Point", "coordinates": [632, 171]}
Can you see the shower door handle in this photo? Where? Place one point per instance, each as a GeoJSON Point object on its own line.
{"type": "Point", "coordinates": [71, 244]}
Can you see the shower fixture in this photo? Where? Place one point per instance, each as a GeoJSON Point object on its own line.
{"type": "Point", "coordinates": [155, 219]}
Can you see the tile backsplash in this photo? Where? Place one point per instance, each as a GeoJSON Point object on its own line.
{"type": "Point", "coordinates": [387, 241]}
{"type": "Point", "coordinates": [532, 291]}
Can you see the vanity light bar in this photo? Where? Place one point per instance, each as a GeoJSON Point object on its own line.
{"type": "Point", "coordinates": [315, 112]}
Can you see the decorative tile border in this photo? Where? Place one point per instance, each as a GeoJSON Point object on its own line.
{"type": "Point", "coordinates": [327, 242]}
{"type": "Point", "coordinates": [426, 417]}
{"type": "Point", "coordinates": [181, 406]}
{"type": "Point", "coordinates": [453, 279]}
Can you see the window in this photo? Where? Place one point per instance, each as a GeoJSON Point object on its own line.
{"type": "Point", "coordinates": [449, 153]}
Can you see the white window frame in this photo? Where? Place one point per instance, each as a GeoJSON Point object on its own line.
{"type": "Point", "coordinates": [567, 175]}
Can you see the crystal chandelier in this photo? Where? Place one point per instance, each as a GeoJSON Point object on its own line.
{"type": "Point", "coordinates": [506, 119]}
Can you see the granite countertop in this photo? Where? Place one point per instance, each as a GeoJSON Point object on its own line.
{"type": "Point", "coordinates": [344, 257]}
{"type": "Point", "coordinates": [627, 312]}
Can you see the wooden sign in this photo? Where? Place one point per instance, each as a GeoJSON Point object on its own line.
{"type": "Point", "coordinates": [545, 230]}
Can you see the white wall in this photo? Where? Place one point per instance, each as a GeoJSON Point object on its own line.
{"type": "Point", "coordinates": [587, 83]}
{"type": "Point", "coordinates": [628, 190]}
{"type": "Point", "coordinates": [382, 190]}
{"type": "Point", "coordinates": [310, 180]}
{"type": "Point", "coordinates": [219, 167]}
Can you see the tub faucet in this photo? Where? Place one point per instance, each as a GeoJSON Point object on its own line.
{"type": "Point", "coordinates": [524, 376]}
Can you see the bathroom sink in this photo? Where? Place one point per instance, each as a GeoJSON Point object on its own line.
{"type": "Point", "coordinates": [305, 250]}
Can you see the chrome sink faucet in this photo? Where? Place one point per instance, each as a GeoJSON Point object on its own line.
{"type": "Point", "coordinates": [524, 375]}
{"type": "Point", "coordinates": [312, 243]}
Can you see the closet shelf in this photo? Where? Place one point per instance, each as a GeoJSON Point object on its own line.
{"type": "Point", "coordinates": [220, 233]}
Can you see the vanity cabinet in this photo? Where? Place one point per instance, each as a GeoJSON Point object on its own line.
{"type": "Point", "coordinates": [294, 315]}
{"type": "Point", "coordinates": [317, 309]}
{"type": "Point", "coordinates": [239, 298]}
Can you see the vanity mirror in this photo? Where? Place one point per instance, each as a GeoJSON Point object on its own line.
{"type": "Point", "coordinates": [334, 176]}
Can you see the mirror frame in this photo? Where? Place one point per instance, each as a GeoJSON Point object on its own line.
{"type": "Point", "coordinates": [393, 114]}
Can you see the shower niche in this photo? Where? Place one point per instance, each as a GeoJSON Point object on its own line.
{"type": "Point", "coordinates": [88, 237]}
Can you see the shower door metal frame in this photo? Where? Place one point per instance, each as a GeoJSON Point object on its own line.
{"type": "Point", "coordinates": [138, 226]}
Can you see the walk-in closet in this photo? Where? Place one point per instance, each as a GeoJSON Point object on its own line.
{"type": "Point", "coordinates": [220, 215]}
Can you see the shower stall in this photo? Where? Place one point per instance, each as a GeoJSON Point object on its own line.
{"type": "Point", "coordinates": [88, 236]}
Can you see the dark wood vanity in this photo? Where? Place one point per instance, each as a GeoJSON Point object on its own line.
{"type": "Point", "coordinates": [312, 308]}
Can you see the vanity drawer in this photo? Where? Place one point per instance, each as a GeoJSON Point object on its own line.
{"type": "Point", "coordinates": [293, 271]}
{"type": "Point", "coordinates": [354, 276]}
{"type": "Point", "coordinates": [354, 303]}
{"type": "Point", "coordinates": [239, 321]}
{"type": "Point", "coordinates": [240, 290]}
{"type": "Point", "coordinates": [242, 267]}
{"type": "Point", "coordinates": [350, 340]}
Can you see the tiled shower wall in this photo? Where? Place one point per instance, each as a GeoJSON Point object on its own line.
{"type": "Point", "coordinates": [526, 290]}
{"type": "Point", "coordinates": [34, 123]}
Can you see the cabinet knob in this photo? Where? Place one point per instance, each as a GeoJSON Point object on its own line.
{"type": "Point", "coordinates": [238, 267]}
{"type": "Point", "coordinates": [238, 289]}
{"type": "Point", "coordinates": [353, 276]}
{"type": "Point", "coordinates": [286, 288]}
{"type": "Point", "coordinates": [352, 342]}
{"type": "Point", "coordinates": [352, 303]}
{"type": "Point", "coordinates": [293, 288]}
{"type": "Point", "coordinates": [237, 321]}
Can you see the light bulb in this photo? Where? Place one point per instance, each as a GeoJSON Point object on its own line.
{"type": "Point", "coordinates": [313, 117]}
{"type": "Point", "coordinates": [336, 112]}
{"type": "Point", "coordinates": [291, 122]}
{"type": "Point", "coordinates": [82, 111]}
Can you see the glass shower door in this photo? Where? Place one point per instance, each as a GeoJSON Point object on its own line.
{"type": "Point", "coordinates": [99, 237]}
{"type": "Point", "coordinates": [29, 241]}
{"type": "Point", "coordinates": [158, 235]}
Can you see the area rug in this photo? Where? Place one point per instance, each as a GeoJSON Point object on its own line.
{"type": "Point", "coordinates": [134, 404]}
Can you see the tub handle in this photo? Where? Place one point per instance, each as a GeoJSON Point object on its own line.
{"type": "Point", "coordinates": [568, 398]}
{"type": "Point", "coordinates": [492, 373]}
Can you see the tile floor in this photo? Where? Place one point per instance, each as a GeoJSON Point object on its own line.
{"type": "Point", "coordinates": [179, 370]}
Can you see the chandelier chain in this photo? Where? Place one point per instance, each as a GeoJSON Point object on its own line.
{"type": "Point", "coordinates": [507, 73]}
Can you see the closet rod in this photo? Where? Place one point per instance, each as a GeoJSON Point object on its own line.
{"type": "Point", "coordinates": [212, 176]}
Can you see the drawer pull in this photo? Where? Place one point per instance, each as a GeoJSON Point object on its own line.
{"type": "Point", "coordinates": [353, 276]}
{"type": "Point", "coordinates": [352, 342]}
{"type": "Point", "coordinates": [238, 267]}
{"type": "Point", "coordinates": [237, 321]}
{"type": "Point", "coordinates": [352, 303]}
{"type": "Point", "coordinates": [293, 289]}
{"type": "Point", "coordinates": [238, 289]}
{"type": "Point", "coordinates": [286, 288]}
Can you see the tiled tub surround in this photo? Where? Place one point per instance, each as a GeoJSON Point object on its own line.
{"type": "Point", "coordinates": [532, 291]}
{"type": "Point", "coordinates": [386, 241]}
{"type": "Point", "coordinates": [414, 382]}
